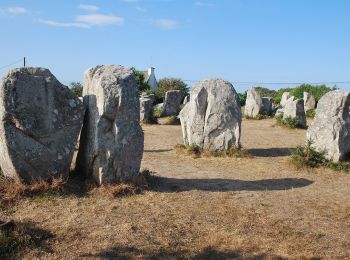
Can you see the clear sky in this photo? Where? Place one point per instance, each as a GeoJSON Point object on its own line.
{"type": "Point", "coordinates": [238, 40]}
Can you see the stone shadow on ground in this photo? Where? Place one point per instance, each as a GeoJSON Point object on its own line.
{"type": "Point", "coordinates": [223, 185]}
{"type": "Point", "coordinates": [130, 252]}
{"type": "Point", "coordinates": [270, 152]}
{"type": "Point", "coordinates": [158, 151]}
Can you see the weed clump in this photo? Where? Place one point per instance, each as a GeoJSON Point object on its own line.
{"type": "Point", "coordinates": [310, 113]}
{"type": "Point", "coordinates": [196, 152]}
{"type": "Point", "coordinates": [290, 122]}
{"type": "Point", "coordinates": [307, 157]}
{"type": "Point", "coordinates": [258, 117]}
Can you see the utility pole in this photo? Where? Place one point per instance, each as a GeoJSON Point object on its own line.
{"type": "Point", "coordinates": [24, 61]}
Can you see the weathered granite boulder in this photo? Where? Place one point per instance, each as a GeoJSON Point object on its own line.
{"type": "Point", "coordinates": [172, 102]}
{"type": "Point", "coordinates": [111, 143]}
{"type": "Point", "coordinates": [253, 104]}
{"type": "Point", "coordinates": [266, 108]}
{"type": "Point", "coordinates": [309, 101]}
{"type": "Point", "coordinates": [285, 97]}
{"type": "Point", "coordinates": [256, 105]}
{"type": "Point", "coordinates": [40, 123]}
{"type": "Point", "coordinates": [146, 106]}
{"type": "Point", "coordinates": [212, 118]}
{"type": "Point", "coordinates": [294, 108]}
{"type": "Point", "coordinates": [330, 129]}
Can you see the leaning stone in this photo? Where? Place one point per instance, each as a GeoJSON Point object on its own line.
{"type": "Point", "coordinates": [295, 109]}
{"type": "Point", "coordinates": [309, 101]}
{"type": "Point", "coordinates": [172, 102]}
{"type": "Point", "coordinates": [112, 139]}
{"type": "Point", "coordinates": [40, 123]}
{"type": "Point", "coordinates": [330, 129]}
{"type": "Point", "coordinates": [212, 118]}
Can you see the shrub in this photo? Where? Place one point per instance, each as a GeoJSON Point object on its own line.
{"type": "Point", "coordinates": [290, 122]}
{"type": "Point", "coordinates": [76, 88]}
{"type": "Point", "coordinates": [316, 90]}
{"type": "Point", "coordinates": [307, 156]}
{"type": "Point", "coordinates": [311, 113]}
{"type": "Point", "coordinates": [265, 92]}
{"type": "Point", "coordinates": [167, 84]}
{"type": "Point", "coordinates": [156, 112]}
{"type": "Point", "coordinates": [242, 98]}
{"type": "Point", "coordinates": [140, 78]}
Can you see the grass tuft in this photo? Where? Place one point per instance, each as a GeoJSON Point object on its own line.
{"type": "Point", "coordinates": [258, 117]}
{"type": "Point", "coordinates": [310, 113]}
{"type": "Point", "coordinates": [196, 152]}
{"type": "Point", "coordinates": [290, 122]}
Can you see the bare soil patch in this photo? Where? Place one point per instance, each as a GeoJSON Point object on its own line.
{"type": "Point", "coordinates": [204, 208]}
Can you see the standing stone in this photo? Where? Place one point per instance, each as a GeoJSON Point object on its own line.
{"type": "Point", "coordinates": [172, 102]}
{"type": "Point", "coordinates": [266, 105]}
{"type": "Point", "coordinates": [253, 104]}
{"type": "Point", "coordinates": [295, 109]}
{"type": "Point", "coordinates": [330, 129]}
{"type": "Point", "coordinates": [112, 139]}
{"type": "Point", "coordinates": [40, 123]}
{"type": "Point", "coordinates": [285, 97]}
{"type": "Point", "coordinates": [146, 106]}
{"type": "Point", "coordinates": [212, 118]}
{"type": "Point", "coordinates": [309, 101]}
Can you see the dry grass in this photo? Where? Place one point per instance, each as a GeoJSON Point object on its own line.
{"type": "Point", "coordinates": [169, 120]}
{"type": "Point", "coordinates": [205, 208]}
{"type": "Point", "coordinates": [196, 152]}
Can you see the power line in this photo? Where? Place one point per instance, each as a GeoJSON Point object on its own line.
{"type": "Point", "coordinates": [13, 63]}
{"type": "Point", "coordinates": [279, 83]}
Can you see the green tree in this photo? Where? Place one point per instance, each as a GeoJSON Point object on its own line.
{"type": "Point", "coordinates": [166, 84]}
{"type": "Point", "coordinates": [140, 81]}
{"type": "Point", "coordinates": [242, 98]}
{"type": "Point", "coordinates": [76, 88]}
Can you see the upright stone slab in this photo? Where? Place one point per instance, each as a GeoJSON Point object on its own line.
{"type": "Point", "coordinates": [266, 105]}
{"type": "Point", "coordinates": [212, 118]}
{"type": "Point", "coordinates": [40, 123]}
{"type": "Point", "coordinates": [253, 104]}
{"type": "Point", "coordinates": [172, 102]}
{"type": "Point", "coordinates": [112, 139]}
{"type": "Point", "coordinates": [146, 106]}
{"type": "Point", "coordinates": [330, 129]}
{"type": "Point", "coordinates": [309, 101]}
{"type": "Point", "coordinates": [295, 109]}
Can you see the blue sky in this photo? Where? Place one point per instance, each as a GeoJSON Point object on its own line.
{"type": "Point", "coordinates": [238, 40]}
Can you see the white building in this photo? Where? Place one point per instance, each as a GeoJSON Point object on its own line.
{"type": "Point", "coordinates": [150, 78]}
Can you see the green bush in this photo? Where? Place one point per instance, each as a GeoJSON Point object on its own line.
{"type": "Point", "coordinates": [77, 88]}
{"type": "Point", "coordinates": [242, 98]}
{"type": "Point", "coordinates": [290, 122]}
{"type": "Point", "coordinates": [316, 90]}
{"type": "Point", "coordinates": [167, 84]}
{"type": "Point", "coordinates": [156, 112]}
{"type": "Point", "coordinates": [311, 113]}
{"type": "Point", "coordinates": [265, 92]}
{"type": "Point", "coordinates": [140, 84]}
{"type": "Point", "coordinates": [307, 156]}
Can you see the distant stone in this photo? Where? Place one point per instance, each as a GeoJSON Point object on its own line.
{"type": "Point", "coordinates": [111, 144]}
{"type": "Point", "coordinates": [294, 108]}
{"type": "Point", "coordinates": [256, 105]}
{"type": "Point", "coordinates": [146, 106]}
{"type": "Point", "coordinates": [212, 117]}
{"type": "Point", "coordinates": [172, 102]}
{"type": "Point", "coordinates": [253, 104]}
{"type": "Point", "coordinates": [309, 101]}
{"type": "Point", "coordinates": [330, 129]}
{"type": "Point", "coordinates": [285, 97]}
{"type": "Point", "coordinates": [40, 123]}
{"type": "Point", "coordinates": [266, 108]}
